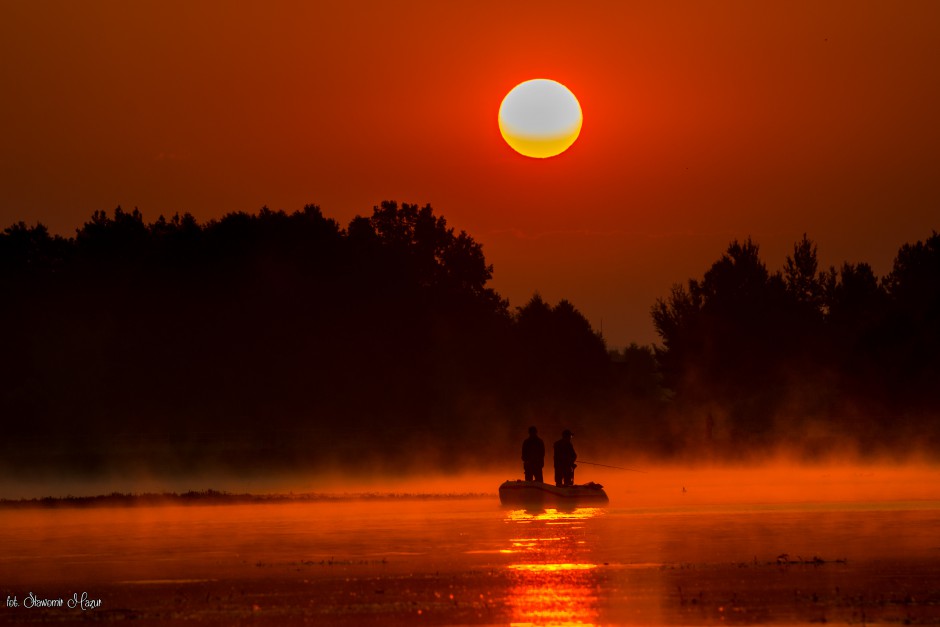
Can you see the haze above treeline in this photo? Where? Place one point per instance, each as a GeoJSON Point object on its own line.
{"type": "Point", "coordinates": [271, 342]}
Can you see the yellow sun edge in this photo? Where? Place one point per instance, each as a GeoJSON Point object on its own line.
{"type": "Point", "coordinates": [540, 146]}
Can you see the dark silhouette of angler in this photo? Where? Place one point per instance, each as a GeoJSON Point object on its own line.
{"type": "Point", "coordinates": [533, 456]}
{"type": "Point", "coordinates": [564, 460]}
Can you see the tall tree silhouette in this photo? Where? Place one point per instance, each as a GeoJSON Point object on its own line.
{"type": "Point", "coordinates": [562, 355]}
{"type": "Point", "coordinates": [725, 337]}
{"type": "Point", "coordinates": [913, 326]}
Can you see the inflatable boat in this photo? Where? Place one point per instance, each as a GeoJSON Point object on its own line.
{"type": "Point", "coordinates": [535, 492]}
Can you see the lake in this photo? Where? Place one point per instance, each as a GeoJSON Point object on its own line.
{"type": "Point", "coordinates": [701, 555]}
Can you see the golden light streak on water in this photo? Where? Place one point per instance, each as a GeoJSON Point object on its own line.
{"type": "Point", "coordinates": [551, 568]}
{"type": "Point", "coordinates": [552, 575]}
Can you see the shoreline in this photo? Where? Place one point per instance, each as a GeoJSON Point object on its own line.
{"type": "Point", "coordinates": [219, 497]}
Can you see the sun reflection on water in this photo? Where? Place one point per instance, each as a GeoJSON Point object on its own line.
{"type": "Point", "coordinates": [554, 581]}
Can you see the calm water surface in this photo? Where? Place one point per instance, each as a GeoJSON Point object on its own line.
{"type": "Point", "coordinates": [459, 561]}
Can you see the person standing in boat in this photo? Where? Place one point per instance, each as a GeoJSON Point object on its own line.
{"type": "Point", "coordinates": [564, 460]}
{"type": "Point", "coordinates": [533, 456]}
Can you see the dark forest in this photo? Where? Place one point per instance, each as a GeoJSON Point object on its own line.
{"type": "Point", "coordinates": [273, 342]}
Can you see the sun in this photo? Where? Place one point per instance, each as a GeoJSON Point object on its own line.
{"type": "Point", "coordinates": [540, 118]}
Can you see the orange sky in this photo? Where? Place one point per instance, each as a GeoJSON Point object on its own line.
{"type": "Point", "coordinates": [703, 122]}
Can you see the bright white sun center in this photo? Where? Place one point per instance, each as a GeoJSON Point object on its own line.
{"type": "Point", "coordinates": [540, 118]}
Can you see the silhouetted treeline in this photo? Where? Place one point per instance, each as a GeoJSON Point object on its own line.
{"type": "Point", "coordinates": [822, 360]}
{"type": "Point", "coordinates": [273, 341]}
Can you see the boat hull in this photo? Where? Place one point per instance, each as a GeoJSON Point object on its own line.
{"type": "Point", "coordinates": [537, 493]}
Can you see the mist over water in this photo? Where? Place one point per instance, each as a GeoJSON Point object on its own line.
{"type": "Point", "coordinates": [647, 484]}
{"type": "Point", "coordinates": [676, 545]}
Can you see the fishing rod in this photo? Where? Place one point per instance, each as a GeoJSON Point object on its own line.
{"type": "Point", "coordinates": [609, 466]}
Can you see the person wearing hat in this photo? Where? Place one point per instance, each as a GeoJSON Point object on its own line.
{"type": "Point", "coordinates": [533, 456]}
{"type": "Point", "coordinates": [564, 460]}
